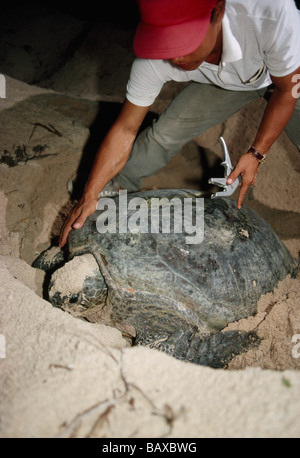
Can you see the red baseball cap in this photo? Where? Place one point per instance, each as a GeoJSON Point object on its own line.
{"type": "Point", "coordinates": [171, 28]}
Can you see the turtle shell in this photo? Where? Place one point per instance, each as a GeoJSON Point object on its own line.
{"type": "Point", "coordinates": [209, 256]}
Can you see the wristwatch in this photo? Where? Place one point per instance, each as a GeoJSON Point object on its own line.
{"type": "Point", "coordinates": [260, 157]}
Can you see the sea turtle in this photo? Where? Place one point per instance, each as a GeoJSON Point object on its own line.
{"type": "Point", "coordinates": [161, 287]}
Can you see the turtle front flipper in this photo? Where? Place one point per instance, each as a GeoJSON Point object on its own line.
{"type": "Point", "coordinates": [215, 350]}
{"type": "Point", "coordinates": [50, 259]}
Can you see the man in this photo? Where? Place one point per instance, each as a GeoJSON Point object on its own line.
{"type": "Point", "coordinates": [231, 51]}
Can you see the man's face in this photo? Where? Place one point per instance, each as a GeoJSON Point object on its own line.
{"type": "Point", "coordinates": [195, 59]}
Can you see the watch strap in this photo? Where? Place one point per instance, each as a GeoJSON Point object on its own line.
{"type": "Point", "coordinates": [260, 157]}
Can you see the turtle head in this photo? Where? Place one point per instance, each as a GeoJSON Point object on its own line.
{"type": "Point", "coordinates": [79, 288]}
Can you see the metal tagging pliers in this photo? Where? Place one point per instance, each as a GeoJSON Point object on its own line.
{"type": "Point", "coordinates": [228, 189]}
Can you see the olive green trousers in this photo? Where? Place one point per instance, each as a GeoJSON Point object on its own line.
{"type": "Point", "coordinates": [194, 110]}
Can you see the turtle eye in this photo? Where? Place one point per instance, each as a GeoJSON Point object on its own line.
{"type": "Point", "coordinates": [75, 298]}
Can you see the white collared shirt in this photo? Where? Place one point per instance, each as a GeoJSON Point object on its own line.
{"type": "Point", "coordinates": [260, 37]}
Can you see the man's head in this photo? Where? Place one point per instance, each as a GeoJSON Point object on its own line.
{"type": "Point", "coordinates": [171, 29]}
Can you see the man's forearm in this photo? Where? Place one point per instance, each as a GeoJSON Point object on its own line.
{"type": "Point", "coordinates": [110, 159]}
{"type": "Point", "coordinates": [115, 149]}
{"type": "Point", "coordinates": [276, 116]}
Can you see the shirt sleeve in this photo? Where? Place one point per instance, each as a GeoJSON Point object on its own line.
{"type": "Point", "coordinates": [282, 53]}
{"type": "Point", "coordinates": [145, 83]}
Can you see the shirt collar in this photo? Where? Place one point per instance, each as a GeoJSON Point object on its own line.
{"type": "Point", "coordinates": [231, 48]}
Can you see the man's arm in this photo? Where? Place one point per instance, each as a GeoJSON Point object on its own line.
{"type": "Point", "coordinates": [276, 116]}
{"type": "Point", "coordinates": [111, 157]}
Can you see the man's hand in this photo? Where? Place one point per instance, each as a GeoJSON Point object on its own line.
{"type": "Point", "coordinates": [246, 167]}
{"type": "Point", "coordinates": [77, 217]}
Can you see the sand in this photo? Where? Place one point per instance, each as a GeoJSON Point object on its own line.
{"type": "Point", "coordinates": [63, 377]}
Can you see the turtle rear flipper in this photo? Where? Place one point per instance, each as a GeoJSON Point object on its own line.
{"type": "Point", "coordinates": [214, 350]}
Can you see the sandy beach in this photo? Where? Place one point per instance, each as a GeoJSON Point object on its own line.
{"type": "Point", "coordinates": [63, 377]}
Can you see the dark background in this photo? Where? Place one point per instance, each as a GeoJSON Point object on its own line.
{"type": "Point", "coordinates": [124, 12]}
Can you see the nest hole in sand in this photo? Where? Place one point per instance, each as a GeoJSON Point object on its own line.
{"type": "Point", "coordinates": [39, 201]}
